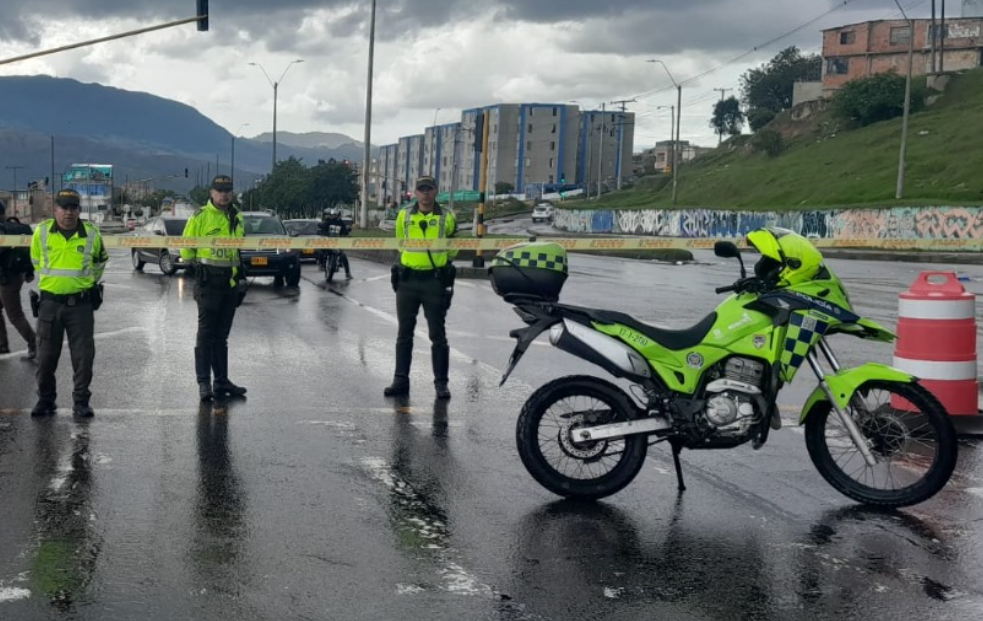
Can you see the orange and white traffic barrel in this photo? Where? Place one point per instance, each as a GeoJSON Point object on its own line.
{"type": "Point", "coordinates": [937, 340]}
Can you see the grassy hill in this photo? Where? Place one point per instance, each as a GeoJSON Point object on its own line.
{"type": "Point", "coordinates": [827, 165]}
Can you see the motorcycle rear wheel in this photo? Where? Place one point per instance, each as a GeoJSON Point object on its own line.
{"type": "Point", "coordinates": [564, 466]}
{"type": "Point", "coordinates": [915, 447]}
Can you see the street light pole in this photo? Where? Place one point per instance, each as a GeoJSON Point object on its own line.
{"type": "Point", "coordinates": [276, 88]}
{"type": "Point", "coordinates": [433, 147]}
{"type": "Point", "coordinates": [899, 188]}
{"type": "Point", "coordinates": [679, 116]}
{"type": "Point", "coordinates": [232, 167]}
{"type": "Point", "coordinates": [363, 220]}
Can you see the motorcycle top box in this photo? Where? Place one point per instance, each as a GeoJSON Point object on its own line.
{"type": "Point", "coordinates": [530, 269]}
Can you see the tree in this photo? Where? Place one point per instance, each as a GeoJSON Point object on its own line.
{"type": "Point", "coordinates": [871, 99]}
{"type": "Point", "coordinates": [727, 117]}
{"type": "Point", "coordinates": [332, 184]}
{"type": "Point", "coordinates": [768, 141]}
{"type": "Point", "coordinates": [769, 87]}
{"type": "Point", "coordinates": [503, 187]}
{"type": "Point", "coordinates": [199, 195]}
{"type": "Point", "coordinates": [758, 118]}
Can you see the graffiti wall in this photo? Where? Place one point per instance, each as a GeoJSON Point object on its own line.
{"type": "Point", "coordinates": [893, 223]}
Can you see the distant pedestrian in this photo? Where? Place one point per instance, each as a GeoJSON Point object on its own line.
{"type": "Point", "coordinates": [218, 288]}
{"type": "Point", "coordinates": [69, 257]}
{"type": "Point", "coordinates": [423, 278]}
{"type": "Point", "coordinates": [15, 269]}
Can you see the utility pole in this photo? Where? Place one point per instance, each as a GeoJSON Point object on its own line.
{"type": "Point", "coordinates": [720, 133]}
{"type": "Point", "coordinates": [899, 188]}
{"type": "Point", "coordinates": [941, 39]}
{"type": "Point", "coordinates": [13, 197]}
{"type": "Point", "coordinates": [935, 36]}
{"type": "Point", "coordinates": [621, 133]}
{"type": "Point", "coordinates": [600, 154]}
{"type": "Point", "coordinates": [363, 216]}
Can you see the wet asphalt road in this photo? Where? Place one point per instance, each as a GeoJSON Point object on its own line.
{"type": "Point", "coordinates": [317, 498]}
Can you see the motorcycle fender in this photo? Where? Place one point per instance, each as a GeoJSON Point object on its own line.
{"type": "Point", "coordinates": [846, 382]}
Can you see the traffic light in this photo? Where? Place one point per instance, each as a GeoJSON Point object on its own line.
{"type": "Point", "coordinates": [202, 17]}
{"type": "Point", "coordinates": [185, 173]}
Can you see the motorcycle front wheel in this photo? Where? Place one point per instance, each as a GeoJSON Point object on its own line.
{"type": "Point", "coordinates": [565, 466]}
{"type": "Point", "coordinates": [908, 432]}
{"type": "Point", "coordinates": [330, 266]}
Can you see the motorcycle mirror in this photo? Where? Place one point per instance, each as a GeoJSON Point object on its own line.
{"type": "Point", "coordinates": [728, 250]}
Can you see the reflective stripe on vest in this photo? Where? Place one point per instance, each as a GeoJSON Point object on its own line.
{"type": "Point", "coordinates": [47, 270]}
{"type": "Point", "coordinates": [442, 233]}
{"type": "Point", "coordinates": [218, 262]}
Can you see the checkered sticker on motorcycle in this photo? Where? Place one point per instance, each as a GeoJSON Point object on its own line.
{"type": "Point", "coordinates": [804, 329]}
{"type": "Point", "coordinates": [543, 260]}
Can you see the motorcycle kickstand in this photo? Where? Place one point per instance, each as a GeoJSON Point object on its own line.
{"type": "Point", "coordinates": [677, 447]}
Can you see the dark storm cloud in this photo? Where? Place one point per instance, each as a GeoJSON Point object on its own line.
{"type": "Point", "coordinates": [614, 27]}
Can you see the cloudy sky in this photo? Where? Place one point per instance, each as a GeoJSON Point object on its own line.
{"type": "Point", "coordinates": [433, 58]}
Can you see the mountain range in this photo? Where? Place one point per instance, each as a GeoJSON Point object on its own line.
{"type": "Point", "coordinates": [47, 124]}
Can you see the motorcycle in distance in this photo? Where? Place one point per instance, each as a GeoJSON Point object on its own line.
{"type": "Point", "coordinates": [873, 432]}
{"type": "Point", "coordinates": [330, 262]}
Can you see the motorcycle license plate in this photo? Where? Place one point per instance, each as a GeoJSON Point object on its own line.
{"type": "Point", "coordinates": [308, 251]}
{"type": "Point", "coordinates": [258, 261]}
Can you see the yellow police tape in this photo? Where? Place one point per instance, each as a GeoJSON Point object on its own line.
{"type": "Point", "coordinates": [497, 243]}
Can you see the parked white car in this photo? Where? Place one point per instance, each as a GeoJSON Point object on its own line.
{"type": "Point", "coordinates": [542, 211]}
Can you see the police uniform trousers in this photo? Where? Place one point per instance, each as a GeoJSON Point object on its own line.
{"type": "Point", "coordinates": [216, 310]}
{"type": "Point", "coordinates": [421, 288]}
{"type": "Point", "coordinates": [10, 300]}
{"type": "Point", "coordinates": [59, 315]}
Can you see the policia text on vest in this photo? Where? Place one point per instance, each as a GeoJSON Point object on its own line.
{"type": "Point", "coordinates": [69, 258]}
{"type": "Point", "coordinates": [424, 278]}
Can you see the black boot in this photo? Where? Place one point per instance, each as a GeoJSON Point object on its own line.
{"type": "Point", "coordinates": [441, 358]}
{"type": "Point", "coordinates": [203, 373]}
{"type": "Point", "coordinates": [220, 365]}
{"type": "Point", "coordinates": [82, 409]}
{"type": "Point", "coordinates": [401, 377]}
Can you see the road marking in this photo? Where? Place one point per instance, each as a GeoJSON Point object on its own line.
{"type": "Point", "coordinates": [422, 526]}
{"type": "Point", "coordinates": [10, 594]}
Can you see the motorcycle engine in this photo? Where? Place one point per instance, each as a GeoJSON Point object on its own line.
{"type": "Point", "coordinates": [731, 408]}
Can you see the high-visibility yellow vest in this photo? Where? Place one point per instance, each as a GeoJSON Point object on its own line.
{"type": "Point", "coordinates": [67, 265]}
{"type": "Point", "coordinates": [411, 223]}
{"type": "Point", "coordinates": [210, 221]}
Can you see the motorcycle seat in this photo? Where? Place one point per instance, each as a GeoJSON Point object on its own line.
{"type": "Point", "coordinates": [671, 339]}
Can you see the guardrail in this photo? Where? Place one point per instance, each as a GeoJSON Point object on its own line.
{"type": "Point", "coordinates": [586, 244]}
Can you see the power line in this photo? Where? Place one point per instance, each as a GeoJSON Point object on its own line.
{"type": "Point", "coordinates": [756, 48]}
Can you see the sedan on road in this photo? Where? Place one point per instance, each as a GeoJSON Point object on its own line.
{"type": "Point", "coordinates": [167, 259]}
{"type": "Point", "coordinates": [306, 227]}
{"type": "Point", "coordinates": [283, 264]}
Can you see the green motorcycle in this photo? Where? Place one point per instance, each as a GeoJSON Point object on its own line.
{"type": "Point", "coordinates": [873, 432]}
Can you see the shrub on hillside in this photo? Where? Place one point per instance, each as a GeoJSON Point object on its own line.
{"type": "Point", "coordinates": [874, 98]}
{"type": "Point", "coordinates": [759, 117]}
{"type": "Point", "coordinates": [768, 141]}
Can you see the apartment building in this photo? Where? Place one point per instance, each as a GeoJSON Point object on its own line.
{"type": "Point", "coordinates": [438, 153]}
{"type": "Point", "coordinates": [606, 140]}
{"type": "Point", "coordinates": [529, 145]}
{"type": "Point", "coordinates": [386, 171]}
{"type": "Point", "coordinates": [867, 48]}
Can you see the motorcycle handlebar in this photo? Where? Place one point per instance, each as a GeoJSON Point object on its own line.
{"type": "Point", "coordinates": [742, 285]}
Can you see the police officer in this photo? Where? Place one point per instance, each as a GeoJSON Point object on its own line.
{"type": "Point", "coordinates": [69, 257]}
{"type": "Point", "coordinates": [423, 278]}
{"type": "Point", "coordinates": [217, 290]}
{"type": "Point", "coordinates": [15, 270]}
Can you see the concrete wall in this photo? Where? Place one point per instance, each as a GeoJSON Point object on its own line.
{"type": "Point", "coordinates": [894, 223]}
